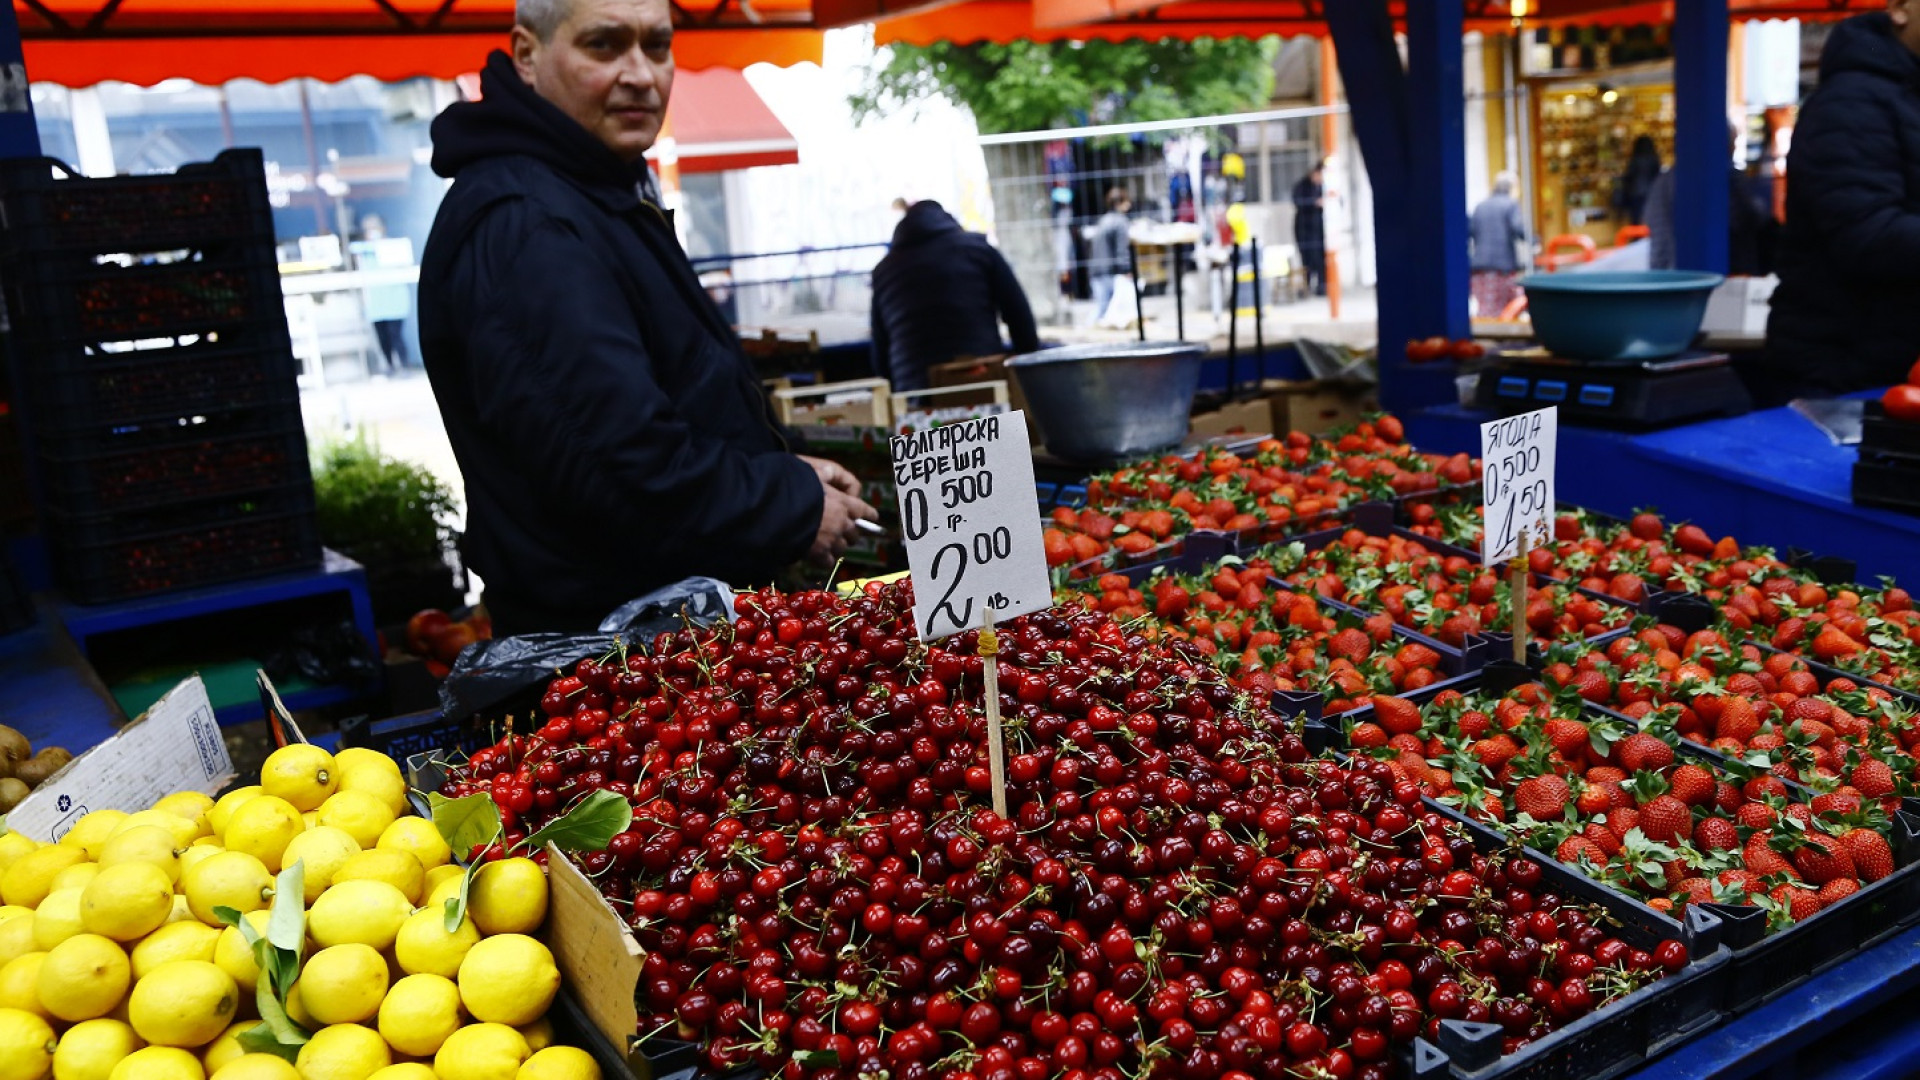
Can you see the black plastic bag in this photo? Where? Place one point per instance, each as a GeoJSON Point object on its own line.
{"type": "Point", "coordinates": [490, 672]}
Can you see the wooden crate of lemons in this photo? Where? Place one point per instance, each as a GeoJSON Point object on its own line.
{"type": "Point", "coordinates": [118, 960]}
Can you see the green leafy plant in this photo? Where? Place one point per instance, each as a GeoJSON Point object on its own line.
{"type": "Point", "coordinates": [377, 509]}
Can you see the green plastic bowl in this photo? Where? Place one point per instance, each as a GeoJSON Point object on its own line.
{"type": "Point", "coordinates": [1618, 317]}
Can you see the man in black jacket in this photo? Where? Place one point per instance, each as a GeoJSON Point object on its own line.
{"type": "Point", "coordinates": [608, 427]}
{"type": "Point", "coordinates": [1847, 312]}
{"type": "Point", "coordinates": [939, 296]}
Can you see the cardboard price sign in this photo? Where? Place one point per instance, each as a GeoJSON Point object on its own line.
{"type": "Point", "coordinates": [967, 512]}
{"type": "Point", "coordinates": [1516, 492]}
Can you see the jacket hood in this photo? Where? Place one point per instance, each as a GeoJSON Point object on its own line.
{"type": "Point", "coordinates": [1866, 44]}
{"type": "Point", "coordinates": [510, 119]}
{"type": "Point", "coordinates": [924, 219]}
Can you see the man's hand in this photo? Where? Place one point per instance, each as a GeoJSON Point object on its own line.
{"type": "Point", "coordinates": [833, 476]}
{"type": "Point", "coordinates": [838, 512]}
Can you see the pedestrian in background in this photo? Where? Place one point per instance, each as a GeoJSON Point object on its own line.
{"type": "Point", "coordinates": [1112, 250]}
{"type": "Point", "coordinates": [1494, 235]}
{"type": "Point", "coordinates": [939, 295]}
{"type": "Point", "coordinates": [1310, 227]}
{"type": "Point", "coordinates": [1636, 182]}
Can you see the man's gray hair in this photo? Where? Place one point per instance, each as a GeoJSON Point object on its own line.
{"type": "Point", "coordinates": [542, 17]}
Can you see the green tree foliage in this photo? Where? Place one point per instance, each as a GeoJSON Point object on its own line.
{"type": "Point", "coordinates": [1030, 86]}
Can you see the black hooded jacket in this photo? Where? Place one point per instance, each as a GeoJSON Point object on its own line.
{"type": "Point", "coordinates": [1847, 312]}
{"type": "Point", "coordinates": [608, 427]}
{"type": "Point", "coordinates": [938, 295]}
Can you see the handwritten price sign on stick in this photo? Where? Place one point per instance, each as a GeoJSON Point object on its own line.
{"type": "Point", "coordinates": [1517, 487]}
{"type": "Point", "coordinates": [973, 535]}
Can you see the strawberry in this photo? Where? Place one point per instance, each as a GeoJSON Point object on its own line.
{"type": "Point", "coordinates": [1838, 889]}
{"type": "Point", "coordinates": [1754, 815]}
{"type": "Point", "coordinates": [1800, 903]}
{"type": "Point", "coordinates": [1365, 736]}
{"type": "Point", "coordinates": [1647, 526]}
{"type": "Point", "coordinates": [1567, 736]}
{"type": "Point", "coordinates": [1739, 719]}
{"type": "Point", "coordinates": [1872, 855]}
{"type": "Point", "coordinates": [1643, 752]}
{"type": "Point", "coordinates": [1474, 724]}
{"type": "Point", "coordinates": [1496, 751]}
{"type": "Point", "coordinates": [1822, 859]}
{"type": "Point", "coordinates": [1745, 882]}
{"type": "Point", "coordinates": [1666, 819]}
{"type": "Point", "coordinates": [1398, 715]}
{"type": "Point", "coordinates": [1573, 848]}
{"type": "Point", "coordinates": [1605, 774]}
{"type": "Point", "coordinates": [1691, 784]}
{"type": "Point", "coordinates": [1623, 820]}
{"type": "Point", "coordinates": [1603, 837]}
{"type": "Point", "coordinates": [1716, 834]}
{"type": "Point", "coordinates": [1835, 804]}
{"type": "Point", "coordinates": [1873, 778]}
{"type": "Point", "coordinates": [1693, 540]}
{"type": "Point", "coordinates": [1544, 798]}
{"type": "Point", "coordinates": [1349, 644]}
{"type": "Point", "coordinates": [1807, 708]}
{"type": "Point", "coordinates": [1594, 799]}
{"type": "Point", "coordinates": [1592, 686]}
{"type": "Point", "coordinates": [1761, 858]}
{"type": "Point", "coordinates": [1761, 788]}
{"type": "Point", "coordinates": [1831, 644]}
{"type": "Point", "coordinates": [1726, 797]}
{"type": "Point", "coordinates": [1697, 889]}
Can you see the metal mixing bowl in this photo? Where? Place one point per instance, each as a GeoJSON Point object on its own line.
{"type": "Point", "coordinates": [1097, 403]}
{"type": "Point", "coordinates": [1618, 317]}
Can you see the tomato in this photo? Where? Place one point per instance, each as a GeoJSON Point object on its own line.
{"type": "Point", "coordinates": [1423, 351]}
{"type": "Point", "coordinates": [1903, 402]}
{"type": "Point", "coordinates": [1913, 373]}
{"type": "Point", "coordinates": [1468, 349]}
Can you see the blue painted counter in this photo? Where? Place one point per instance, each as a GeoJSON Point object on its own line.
{"type": "Point", "coordinates": [1769, 477]}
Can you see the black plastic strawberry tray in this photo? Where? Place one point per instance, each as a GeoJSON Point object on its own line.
{"type": "Point", "coordinates": [84, 391]}
{"type": "Point", "coordinates": [103, 557]}
{"type": "Point", "coordinates": [1765, 965]}
{"type": "Point", "coordinates": [165, 464]}
{"type": "Point", "coordinates": [63, 303]}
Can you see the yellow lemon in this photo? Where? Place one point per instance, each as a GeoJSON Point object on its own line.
{"type": "Point", "coordinates": [20, 984]}
{"type": "Point", "coordinates": [127, 902]}
{"type": "Point", "coordinates": [146, 843]}
{"type": "Point", "coordinates": [30, 878]}
{"type": "Point", "coordinates": [57, 918]}
{"type": "Point", "coordinates": [262, 827]}
{"type": "Point", "coordinates": [322, 850]}
{"type": "Point", "coordinates": [256, 1067]}
{"type": "Point", "coordinates": [74, 877]}
{"type": "Point", "coordinates": [481, 1052]}
{"type": "Point", "coordinates": [84, 977]}
{"type": "Point", "coordinates": [158, 1063]}
{"type": "Point", "coordinates": [508, 979]}
{"type": "Point", "coordinates": [436, 876]}
{"type": "Point", "coordinates": [182, 911]}
{"type": "Point", "coordinates": [16, 938]}
{"type": "Point", "coordinates": [233, 955]}
{"type": "Point", "coordinates": [190, 940]}
{"type": "Point", "coordinates": [225, 805]}
{"type": "Point", "coordinates": [14, 911]}
{"type": "Point", "coordinates": [419, 838]}
{"type": "Point", "coordinates": [368, 912]}
{"type": "Point", "coordinates": [354, 758]}
{"type": "Point", "coordinates": [343, 1052]}
{"type": "Point", "coordinates": [509, 897]}
{"type": "Point", "coordinates": [381, 784]}
{"type": "Point", "coordinates": [442, 891]}
{"type": "Point", "coordinates": [225, 1048]}
{"type": "Point", "coordinates": [90, 1049]}
{"type": "Point", "coordinates": [397, 868]}
{"type": "Point", "coordinates": [232, 879]}
{"type": "Point", "coordinates": [539, 1034]}
{"type": "Point", "coordinates": [186, 1003]}
{"type": "Point", "coordinates": [419, 1013]}
{"type": "Point", "coordinates": [184, 832]}
{"type": "Point", "coordinates": [302, 774]}
{"type": "Point", "coordinates": [92, 830]}
{"type": "Point", "coordinates": [26, 1045]}
{"type": "Point", "coordinates": [363, 816]}
{"type": "Point", "coordinates": [344, 984]}
{"type": "Point", "coordinates": [560, 1063]}
{"type": "Point", "coordinates": [424, 947]}
{"type": "Point", "coordinates": [197, 853]}
{"type": "Point", "coordinates": [195, 806]}
{"type": "Point", "coordinates": [12, 846]}
{"type": "Point", "coordinates": [411, 1070]}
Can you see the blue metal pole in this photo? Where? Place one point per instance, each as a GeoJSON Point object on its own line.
{"type": "Point", "coordinates": [1437, 134]}
{"type": "Point", "coordinates": [1701, 155]}
{"type": "Point", "coordinates": [18, 135]}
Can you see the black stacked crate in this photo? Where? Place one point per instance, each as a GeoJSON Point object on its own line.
{"type": "Point", "coordinates": [1888, 471]}
{"type": "Point", "coordinates": [152, 349]}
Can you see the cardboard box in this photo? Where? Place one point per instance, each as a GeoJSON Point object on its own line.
{"type": "Point", "coordinates": [1317, 407]}
{"type": "Point", "coordinates": [599, 959]}
{"type": "Point", "coordinates": [859, 402]}
{"type": "Point", "coordinates": [174, 746]}
{"type": "Point", "coordinates": [1740, 306]}
{"type": "Point", "coordinates": [1255, 417]}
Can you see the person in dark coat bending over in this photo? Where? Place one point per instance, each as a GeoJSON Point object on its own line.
{"type": "Point", "coordinates": [1846, 316]}
{"type": "Point", "coordinates": [608, 427]}
{"type": "Point", "coordinates": [939, 295]}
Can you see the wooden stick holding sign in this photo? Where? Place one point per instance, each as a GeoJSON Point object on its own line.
{"type": "Point", "coordinates": [996, 742]}
{"type": "Point", "coordinates": [1521, 633]}
{"type": "Point", "coordinates": [973, 542]}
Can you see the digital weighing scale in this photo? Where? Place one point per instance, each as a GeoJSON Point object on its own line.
{"type": "Point", "coordinates": [1654, 393]}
